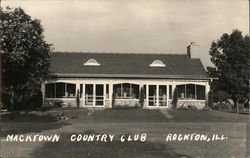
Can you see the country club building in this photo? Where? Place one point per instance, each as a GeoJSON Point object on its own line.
{"type": "Point", "coordinates": [103, 79]}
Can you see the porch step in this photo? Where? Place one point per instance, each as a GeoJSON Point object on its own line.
{"type": "Point", "coordinates": [165, 113]}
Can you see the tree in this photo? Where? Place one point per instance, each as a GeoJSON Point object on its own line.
{"type": "Point", "coordinates": [25, 53]}
{"type": "Point", "coordinates": [231, 58]}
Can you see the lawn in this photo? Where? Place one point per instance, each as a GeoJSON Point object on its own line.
{"type": "Point", "coordinates": [155, 123]}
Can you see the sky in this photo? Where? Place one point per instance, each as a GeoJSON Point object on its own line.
{"type": "Point", "coordinates": [137, 26]}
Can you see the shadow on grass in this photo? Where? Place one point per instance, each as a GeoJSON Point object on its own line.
{"type": "Point", "coordinates": [127, 115]}
{"type": "Point", "coordinates": [206, 116]}
{"type": "Point", "coordinates": [20, 116]}
{"type": "Point", "coordinates": [28, 122]}
{"type": "Point", "coordinates": [22, 128]}
{"type": "Point", "coordinates": [115, 149]}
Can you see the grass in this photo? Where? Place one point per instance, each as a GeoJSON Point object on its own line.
{"type": "Point", "coordinates": [132, 121]}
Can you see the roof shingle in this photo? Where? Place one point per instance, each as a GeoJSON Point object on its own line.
{"type": "Point", "coordinates": [126, 65]}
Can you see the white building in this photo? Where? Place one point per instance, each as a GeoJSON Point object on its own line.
{"type": "Point", "coordinates": [103, 77]}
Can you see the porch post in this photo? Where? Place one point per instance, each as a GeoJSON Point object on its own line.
{"type": "Point", "coordinates": [104, 94]}
{"type": "Point", "coordinates": [140, 85]}
{"type": "Point", "coordinates": [157, 95]}
{"type": "Point", "coordinates": [167, 94]}
{"type": "Point", "coordinates": [110, 93]}
{"type": "Point", "coordinates": [207, 90]}
{"type": "Point", "coordinates": [147, 93]}
{"type": "Point", "coordinates": [173, 88]}
{"type": "Point", "coordinates": [94, 94]}
{"type": "Point", "coordinates": [83, 94]}
{"type": "Point", "coordinates": [77, 86]}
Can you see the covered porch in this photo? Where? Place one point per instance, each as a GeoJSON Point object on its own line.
{"type": "Point", "coordinates": [125, 92]}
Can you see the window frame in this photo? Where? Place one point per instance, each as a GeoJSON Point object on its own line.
{"type": "Point", "coordinates": [195, 92]}
{"type": "Point", "coordinates": [157, 63]}
{"type": "Point", "coordinates": [91, 62]}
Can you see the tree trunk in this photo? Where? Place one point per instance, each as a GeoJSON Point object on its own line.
{"type": "Point", "coordinates": [236, 106]}
{"type": "Point", "coordinates": [12, 103]}
{"type": "Point", "coordinates": [219, 105]}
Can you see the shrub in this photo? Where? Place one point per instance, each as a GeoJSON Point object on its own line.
{"type": "Point", "coordinates": [48, 105]}
{"type": "Point", "coordinates": [220, 96]}
{"type": "Point", "coordinates": [141, 101]}
{"type": "Point", "coordinates": [78, 99]}
{"type": "Point", "coordinates": [26, 99]}
{"type": "Point", "coordinates": [223, 106]}
{"type": "Point", "coordinates": [113, 100]}
{"type": "Point", "coordinates": [58, 103]}
{"type": "Point", "coordinates": [210, 99]}
{"type": "Point", "coordinates": [175, 98]}
{"type": "Point", "coordinates": [188, 106]}
{"type": "Point", "coordinates": [137, 106]}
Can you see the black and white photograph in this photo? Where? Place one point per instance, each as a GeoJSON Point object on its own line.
{"type": "Point", "coordinates": [124, 79]}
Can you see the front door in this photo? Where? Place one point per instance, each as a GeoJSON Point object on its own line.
{"type": "Point", "coordinates": [99, 97]}
{"type": "Point", "coordinates": [152, 96]}
{"type": "Point", "coordinates": [89, 96]}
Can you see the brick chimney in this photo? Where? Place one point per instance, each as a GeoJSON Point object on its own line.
{"type": "Point", "coordinates": [189, 49]}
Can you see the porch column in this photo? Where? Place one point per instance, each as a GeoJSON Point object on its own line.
{"type": "Point", "coordinates": [140, 86]}
{"type": "Point", "coordinates": [167, 94]}
{"type": "Point", "coordinates": [43, 91]}
{"type": "Point", "coordinates": [77, 86]}
{"type": "Point", "coordinates": [104, 94]}
{"type": "Point", "coordinates": [110, 93]}
{"type": "Point", "coordinates": [157, 95]}
{"type": "Point", "coordinates": [173, 88]}
{"type": "Point", "coordinates": [94, 94]}
{"type": "Point", "coordinates": [83, 94]}
{"type": "Point", "coordinates": [147, 93]}
{"type": "Point", "coordinates": [207, 90]}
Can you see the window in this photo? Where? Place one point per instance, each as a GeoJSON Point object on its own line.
{"type": "Point", "coordinates": [157, 63]}
{"type": "Point", "coordinates": [107, 91]}
{"type": "Point", "coordinates": [170, 91]}
{"type": "Point", "coordinates": [91, 62]}
{"type": "Point", "coordinates": [200, 90]}
{"type": "Point", "coordinates": [181, 91]}
{"type": "Point", "coordinates": [191, 91]}
{"type": "Point", "coordinates": [81, 90]}
{"type": "Point", "coordinates": [50, 90]}
{"type": "Point", "coordinates": [162, 95]}
{"type": "Point", "coordinates": [71, 90]}
{"type": "Point", "coordinates": [126, 91]}
{"type": "Point", "coordinates": [60, 90]}
{"type": "Point", "coordinates": [145, 91]}
{"type": "Point", "coordinates": [99, 95]}
{"type": "Point", "coordinates": [89, 94]}
{"type": "Point", "coordinates": [152, 95]}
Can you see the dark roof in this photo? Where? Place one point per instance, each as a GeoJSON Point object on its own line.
{"type": "Point", "coordinates": [66, 64]}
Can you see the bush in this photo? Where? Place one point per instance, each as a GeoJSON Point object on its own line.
{"type": "Point", "coordinates": [27, 99]}
{"type": "Point", "coordinates": [137, 106]}
{"type": "Point", "coordinates": [220, 96]}
{"type": "Point", "coordinates": [48, 105]}
{"type": "Point", "coordinates": [223, 106]}
{"type": "Point", "coordinates": [113, 100]}
{"type": "Point", "coordinates": [141, 101]}
{"type": "Point", "coordinates": [175, 98]}
{"type": "Point", "coordinates": [188, 106]}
